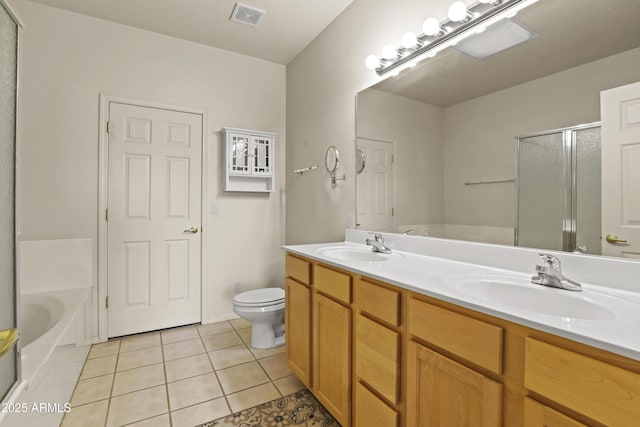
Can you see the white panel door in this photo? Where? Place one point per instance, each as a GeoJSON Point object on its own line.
{"type": "Point", "coordinates": [620, 110]}
{"type": "Point", "coordinates": [375, 186]}
{"type": "Point", "coordinates": [154, 211]}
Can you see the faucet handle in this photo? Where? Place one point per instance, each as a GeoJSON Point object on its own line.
{"type": "Point", "coordinates": [551, 261]}
{"type": "Point", "coordinates": [376, 236]}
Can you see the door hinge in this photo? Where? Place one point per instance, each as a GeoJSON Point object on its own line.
{"type": "Point", "coordinates": [106, 302]}
{"type": "Point", "coordinates": [108, 126]}
{"type": "Point", "coordinates": [393, 158]}
{"type": "Point", "coordinates": [106, 214]}
{"type": "Point", "coordinates": [393, 211]}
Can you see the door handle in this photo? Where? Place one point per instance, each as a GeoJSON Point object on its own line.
{"type": "Point", "coordinates": [8, 339]}
{"type": "Point", "coordinates": [192, 230]}
{"type": "Point", "coordinates": [612, 238]}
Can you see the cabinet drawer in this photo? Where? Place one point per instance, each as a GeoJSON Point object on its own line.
{"type": "Point", "coordinates": [371, 411]}
{"type": "Point", "coordinates": [600, 391]}
{"type": "Point", "coordinates": [298, 269]}
{"type": "Point", "coordinates": [538, 415]}
{"type": "Point", "coordinates": [377, 357]}
{"type": "Point", "coordinates": [473, 340]}
{"type": "Point", "coordinates": [333, 283]}
{"type": "Point", "coordinates": [379, 301]}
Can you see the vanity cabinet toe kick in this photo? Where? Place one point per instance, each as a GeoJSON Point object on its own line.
{"type": "Point", "coordinates": [375, 354]}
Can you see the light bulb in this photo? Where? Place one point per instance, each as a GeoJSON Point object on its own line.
{"type": "Point", "coordinates": [389, 52]}
{"type": "Point", "coordinates": [458, 11]}
{"type": "Point", "coordinates": [413, 64]}
{"type": "Point", "coordinates": [409, 41]}
{"type": "Point", "coordinates": [395, 73]}
{"type": "Point", "coordinates": [481, 30]}
{"type": "Point", "coordinates": [431, 27]}
{"type": "Point", "coordinates": [372, 62]}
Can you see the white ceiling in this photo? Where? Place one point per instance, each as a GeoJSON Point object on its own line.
{"type": "Point", "coordinates": [286, 29]}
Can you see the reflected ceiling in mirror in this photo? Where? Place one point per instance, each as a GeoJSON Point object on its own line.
{"type": "Point", "coordinates": [568, 33]}
{"type": "Point", "coordinates": [453, 119]}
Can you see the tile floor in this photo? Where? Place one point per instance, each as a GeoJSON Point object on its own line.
{"type": "Point", "coordinates": [178, 377]}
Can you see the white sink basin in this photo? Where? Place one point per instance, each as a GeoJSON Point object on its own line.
{"type": "Point", "coordinates": [355, 253]}
{"type": "Point", "coordinates": [520, 293]}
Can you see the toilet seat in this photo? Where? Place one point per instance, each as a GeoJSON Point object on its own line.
{"type": "Point", "coordinates": [264, 297]}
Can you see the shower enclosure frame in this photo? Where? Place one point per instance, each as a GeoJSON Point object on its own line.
{"type": "Point", "coordinates": [18, 385]}
{"type": "Point", "coordinates": [569, 173]}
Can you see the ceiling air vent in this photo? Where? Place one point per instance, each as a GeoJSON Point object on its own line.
{"type": "Point", "coordinates": [247, 14]}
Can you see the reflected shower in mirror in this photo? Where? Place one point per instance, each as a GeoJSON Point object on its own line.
{"type": "Point", "coordinates": [441, 138]}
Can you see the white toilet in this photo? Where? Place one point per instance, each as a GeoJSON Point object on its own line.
{"type": "Point", "coordinates": [264, 308]}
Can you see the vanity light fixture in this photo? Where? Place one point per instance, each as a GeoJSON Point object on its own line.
{"type": "Point", "coordinates": [463, 22]}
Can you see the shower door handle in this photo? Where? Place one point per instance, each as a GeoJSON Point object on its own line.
{"type": "Point", "coordinates": [8, 339]}
{"type": "Point", "coordinates": [612, 238]}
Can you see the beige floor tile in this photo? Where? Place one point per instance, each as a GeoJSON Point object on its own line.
{"type": "Point", "coordinates": [161, 421]}
{"type": "Point", "coordinates": [180, 349]}
{"type": "Point", "coordinates": [245, 334]}
{"type": "Point", "coordinates": [223, 340]}
{"type": "Point", "coordinates": [138, 358]}
{"type": "Point", "coordinates": [252, 397]}
{"type": "Point", "coordinates": [242, 377]}
{"type": "Point", "coordinates": [275, 366]}
{"type": "Point", "coordinates": [187, 367]}
{"type": "Point", "coordinates": [289, 385]}
{"type": "Point", "coordinates": [215, 328]}
{"type": "Point", "coordinates": [98, 367]}
{"type": "Point", "coordinates": [230, 356]}
{"type": "Point", "coordinates": [262, 353]}
{"type": "Point", "coordinates": [137, 406]}
{"type": "Point", "coordinates": [193, 390]}
{"type": "Point", "coordinates": [179, 334]}
{"type": "Point", "coordinates": [90, 415]}
{"type": "Point", "coordinates": [92, 390]}
{"type": "Point", "coordinates": [104, 349]}
{"type": "Point", "coordinates": [240, 323]}
{"type": "Point", "coordinates": [140, 341]}
{"type": "Point", "coordinates": [200, 413]}
{"type": "Point", "coordinates": [138, 379]}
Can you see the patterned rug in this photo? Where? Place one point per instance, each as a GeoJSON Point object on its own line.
{"type": "Point", "coordinates": [297, 409]}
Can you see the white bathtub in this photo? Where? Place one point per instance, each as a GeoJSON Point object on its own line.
{"type": "Point", "coordinates": [45, 319]}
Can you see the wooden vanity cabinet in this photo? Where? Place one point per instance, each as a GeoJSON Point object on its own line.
{"type": "Point", "coordinates": [332, 357]}
{"type": "Point", "coordinates": [378, 355]}
{"type": "Point", "coordinates": [331, 331]}
{"type": "Point", "coordinates": [298, 318]}
{"type": "Point", "coordinates": [537, 414]}
{"type": "Point", "coordinates": [446, 392]}
{"type": "Point", "coordinates": [378, 332]}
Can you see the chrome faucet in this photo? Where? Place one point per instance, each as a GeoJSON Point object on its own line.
{"type": "Point", "coordinates": [550, 274]}
{"type": "Point", "coordinates": [377, 244]}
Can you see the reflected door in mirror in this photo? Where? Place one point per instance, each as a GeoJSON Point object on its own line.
{"type": "Point", "coordinates": [375, 186]}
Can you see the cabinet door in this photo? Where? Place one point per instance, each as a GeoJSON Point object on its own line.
{"type": "Point", "coordinates": [332, 357]}
{"type": "Point", "coordinates": [444, 393]}
{"type": "Point", "coordinates": [238, 154]}
{"type": "Point", "coordinates": [538, 415]}
{"type": "Point", "coordinates": [262, 156]}
{"type": "Point", "coordinates": [298, 330]}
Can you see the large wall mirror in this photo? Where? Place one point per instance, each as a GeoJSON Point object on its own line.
{"type": "Point", "coordinates": [503, 149]}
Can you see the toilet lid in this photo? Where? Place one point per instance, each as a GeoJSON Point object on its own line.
{"type": "Point", "coordinates": [260, 296]}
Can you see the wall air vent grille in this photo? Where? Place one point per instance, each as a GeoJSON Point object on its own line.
{"type": "Point", "coordinates": [247, 14]}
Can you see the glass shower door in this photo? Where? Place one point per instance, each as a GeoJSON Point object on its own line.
{"type": "Point", "coordinates": [559, 190]}
{"type": "Point", "coordinates": [8, 98]}
{"type": "Point", "coordinates": [541, 191]}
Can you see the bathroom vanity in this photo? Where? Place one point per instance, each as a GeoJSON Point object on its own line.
{"type": "Point", "coordinates": [413, 340]}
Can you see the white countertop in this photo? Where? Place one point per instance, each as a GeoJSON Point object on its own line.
{"type": "Point", "coordinates": [438, 277]}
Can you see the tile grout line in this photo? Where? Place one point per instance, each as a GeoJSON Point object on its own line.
{"type": "Point", "coordinates": [224, 394]}
{"type": "Point", "coordinates": [166, 384]}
